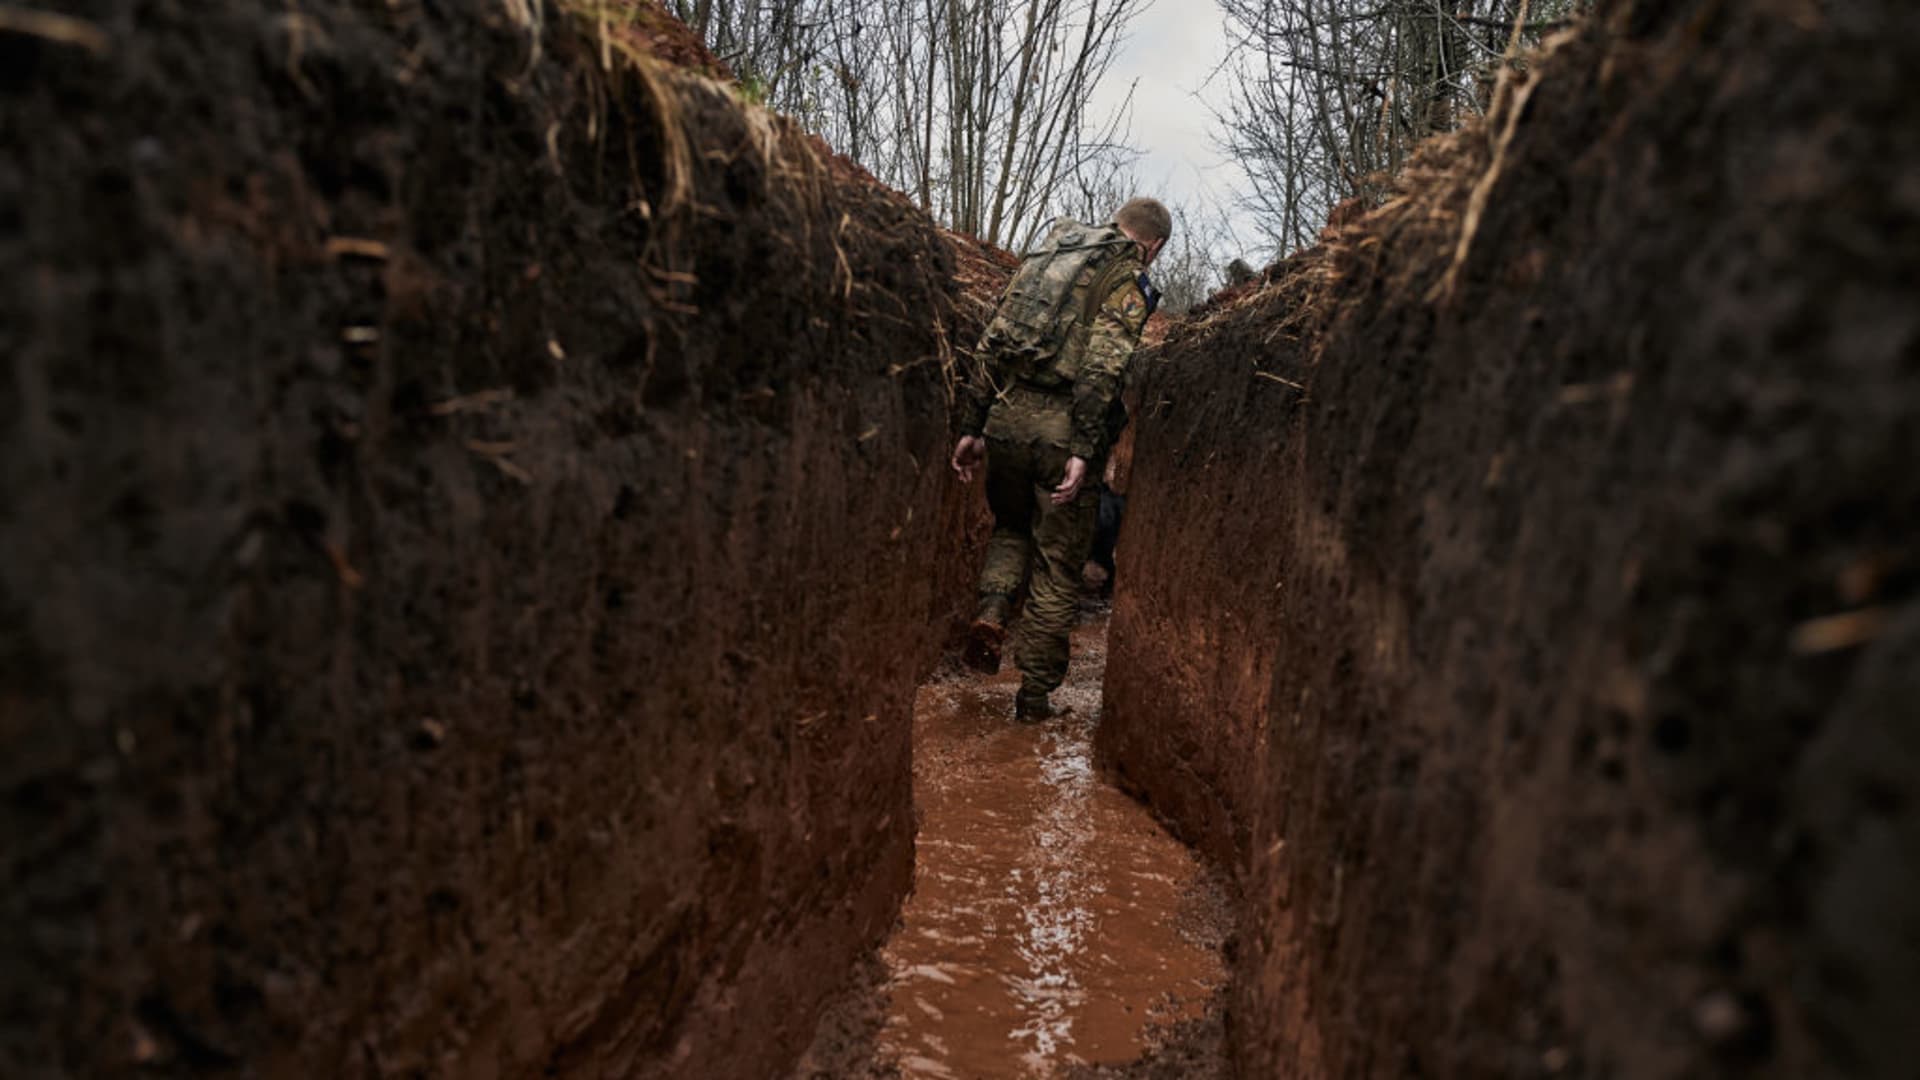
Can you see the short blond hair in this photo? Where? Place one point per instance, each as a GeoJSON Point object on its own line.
{"type": "Point", "coordinates": [1146, 220]}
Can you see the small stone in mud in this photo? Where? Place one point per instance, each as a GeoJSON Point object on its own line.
{"type": "Point", "coordinates": [1718, 1017]}
{"type": "Point", "coordinates": [429, 735]}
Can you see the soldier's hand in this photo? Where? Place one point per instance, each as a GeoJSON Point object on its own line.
{"type": "Point", "coordinates": [1070, 484]}
{"type": "Point", "coordinates": [968, 453]}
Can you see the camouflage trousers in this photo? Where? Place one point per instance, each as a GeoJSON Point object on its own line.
{"type": "Point", "coordinates": [1033, 540]}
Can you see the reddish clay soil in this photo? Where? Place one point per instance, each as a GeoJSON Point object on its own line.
{"type": "Point", "coordinates": [647, 27]}
{"type": "Point", "coordinates": [1531, 622]}
{"type": "Point", "coordinates": [466, 499]}
{"type": "Point", "coordinates": [980, 271]}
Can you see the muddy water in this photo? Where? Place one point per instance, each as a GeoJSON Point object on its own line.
{"type": "Point", "coordinates": [1052, 922]}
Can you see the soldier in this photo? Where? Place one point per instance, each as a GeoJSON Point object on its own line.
{"type": "Point", "coordinates": [1039, 410]}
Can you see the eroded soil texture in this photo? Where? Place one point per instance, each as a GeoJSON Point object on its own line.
{"type": "Point", "coordinates": [1519, 590]}
{"type": "Point", "coordinates": [1053, 923]}
{"type": "Point", "coordinates": [467, 489]}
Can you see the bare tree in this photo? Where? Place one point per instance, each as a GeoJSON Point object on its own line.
{"type": "Point", "coordinates": [1331, 96]}
{"type": "Point", "coordinates": [978, 108]}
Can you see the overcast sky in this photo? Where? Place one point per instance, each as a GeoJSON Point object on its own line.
{"type": "Point", "coordinates": [1172, 49]}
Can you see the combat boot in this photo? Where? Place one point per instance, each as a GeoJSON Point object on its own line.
{"type": "Point", "coordinates": [1029, 709]}
{"type": "Point", "coordinates": [987, 636]}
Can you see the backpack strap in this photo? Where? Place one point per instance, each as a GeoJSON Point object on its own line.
{"type": "Point", "coordinates": [1109, 278]}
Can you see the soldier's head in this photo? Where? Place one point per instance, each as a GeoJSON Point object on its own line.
{"type": "Point", "coordinates": [1147, 223]}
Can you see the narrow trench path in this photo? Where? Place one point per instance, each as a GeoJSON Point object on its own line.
{"type": "Point", "coordinates": [1054, 927]}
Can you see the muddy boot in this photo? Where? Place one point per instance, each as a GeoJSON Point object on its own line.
{"type": "Point", "coordinates": [986, 636]}
{"type": "Point", "coordinates": [984, 640]}
{"type": "Point", "coordinates": [1032, 709]}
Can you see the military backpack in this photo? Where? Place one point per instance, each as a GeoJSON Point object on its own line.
{"type": "Point", "coordinates": [1033, 337]}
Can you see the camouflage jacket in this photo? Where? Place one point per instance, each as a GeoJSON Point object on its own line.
{"type": "Point", "coordinates": [1090, 369]}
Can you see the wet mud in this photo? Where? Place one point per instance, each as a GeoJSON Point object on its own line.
{"type": "Point", "coordinates": [1053, 923]}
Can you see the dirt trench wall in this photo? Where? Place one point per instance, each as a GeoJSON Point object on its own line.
{"type": "Point", "coordinates": [1541, 650]}
{"type": "Point", "coordinates": [466, 502]}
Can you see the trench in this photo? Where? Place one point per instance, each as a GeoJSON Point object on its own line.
{"type": "Point", "coordinates": [476, 543]}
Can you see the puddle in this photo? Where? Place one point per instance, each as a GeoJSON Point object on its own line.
{"type": "Point", "coordinates": [1052, 920]}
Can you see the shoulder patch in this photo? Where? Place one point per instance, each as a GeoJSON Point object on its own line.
{"type": "Point", "coordinates": [1129, 305]}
